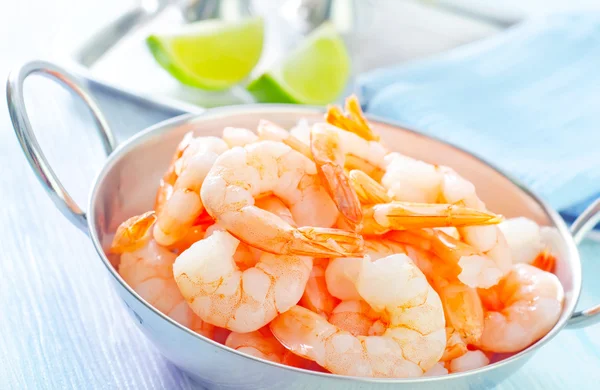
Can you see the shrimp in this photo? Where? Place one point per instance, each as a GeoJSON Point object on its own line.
{"type": "Point", "coordinates": [301, 133]}
{"type": "Point", "coordinates": [242, 301]}
{"type": "Point", "coordinates": [356, 317]}
{"type": "Point", "coordinates": [438, 369]}
{"type": "Point", "coordinates": [413, 340]}
{"type": "Point", "coordinates": [526, 242]}
{"type": "Point", "coordinates": [184, 205]}
{"type": "Point", "coordinates": [241, 174]}
{"type": "Point", "coordinates": [471, 360]}
{"type": "Point", "coordinates": [521, 309]}
{"type": "Point", "coordinates": [247, 256]}
{"type": "Point", "coordinates": [328, 150]}
{"type": "Point", "coordinates": [193, 234]}
{"type": "Point", "coordinates": [411, 180]}
{"type": "Point", "coordinates": [382, 214]}
{"type": "Point", "coordinates": [455, 345]}
{"type": "Point", "coordinates": [342, 273]}
{"type": "Point", "coordinates": [356, 123]}
{"type": "Point", "coordinates": [262, 344]}
{"type": "Point", "coordinates": [270, 131]}
{"type": "Point", "coordinates": [237, 136]}
{"type": "Point", "coordinates": [316, 297]}
{"type": "Point", "coordinates": [165, 187]}
{"type": "Point", "coordinates": [471, 266]}
{"type": "Point", "coordinates": [148, 269]}
{"type": "Point", "coordinates": [462, 306]}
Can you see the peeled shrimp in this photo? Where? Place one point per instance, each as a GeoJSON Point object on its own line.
{"type": "Point", "coordinates": [412, 342]}
{"type": "Point", "coordinates": [455, 345]}
{"type": "Point", "coordinates": [382, 214]}
{"type": "Point", "coordinates": [471, 266]}
{"type": "Point", "coordinates": [527, 244]}
{"type": "Point", "coordinates": [241, 174]}
{"type": "Point", "coordinates": [237, 136]}
{"type": "Point", "coordinates": [270, 131]}
{"type": "Point", "coordinates": [316, 296]}
{"type": "Point", "coordinates": [262, 344]}
{"type": "Point", "coordinates": [357, 317]}
{"type": "Point", "coordinates": [184, 205]}
{"type": "Point", "coordinates": [165, 188]}
{"type": "Point", "coordinates": [411, 180]}
{"type": "Point", "coordinates": [521, 309]}
{"type": "Point", "coordinates": [462, 306]}
{"type": "Point", "coordinates": [341, 274]}
{"type": "Point", "coordinates": [438, 369]}
{"type": "Point", "coordinates": [328, 150]}
{"type": "Point", "coordinates": [148, 269]}
{"type": "Point", "coordinates": [242, 301]}
{"type": "Point", "coordinates": [471, 360]}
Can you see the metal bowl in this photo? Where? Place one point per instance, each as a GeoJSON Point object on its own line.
{"type": "Point", "coordinates": [127, 184]}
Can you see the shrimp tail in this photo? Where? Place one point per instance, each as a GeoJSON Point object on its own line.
{"type": "Point", "coordinates": [339, 188]}
{"type": "Point", "coordinates": [406, 215]}
{"type": "Point", "coordinates": [131, 234]}
{"type": "Point", "coordinates": [545, 261]}
{"type": "Point", "coordinates": [353, 162]}
{"type": "Point", "coordinates": [464, 311]}
{"type": "Point", "coordinates": [354, 122]}
{"type": "Point", "coordinates": [326, 242]}
{"type": "Point", "coordinates": [329, 157]}
{"type": "Point", "coordinates": [367, 189]}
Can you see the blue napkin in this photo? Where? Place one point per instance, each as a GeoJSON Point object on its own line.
{"type": "Point", "coordinates": [528, 100]}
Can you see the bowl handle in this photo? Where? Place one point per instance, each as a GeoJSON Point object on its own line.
{"type": "Point", "coordinates": [29, 144]}
{"type": "Point", "coordinates": [582, 225]}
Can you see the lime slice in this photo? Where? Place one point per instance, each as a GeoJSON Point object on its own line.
{"type": "Point", "coordinates": [316, 72]}
{"type": "Point", "coordinates": [211, 54]}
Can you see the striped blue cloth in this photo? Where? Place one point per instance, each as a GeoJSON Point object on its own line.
{"type": "Point", "coordinates": [527, 100]}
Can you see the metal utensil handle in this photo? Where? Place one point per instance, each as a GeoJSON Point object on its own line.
{"type": "Point", "coordinates": [29, 144]}
{"type": "Point", "coordinates": [582, 225]}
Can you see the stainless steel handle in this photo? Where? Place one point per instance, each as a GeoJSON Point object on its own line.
{"type": "Point", "coordinates": [29, 144]}
{"type": "Point", "coordinates": [582, 225]}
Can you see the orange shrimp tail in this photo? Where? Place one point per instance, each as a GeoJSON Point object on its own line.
{"type": "Point", "coordinates": [545, 261]}
{"type": "Point", "coordinates": [408, 215]}
{"type": "Point", "coordinates": [326, 242]}
{"type": "Point", "coordinates": [133, 233]}
{"type": "Point", "coordinates": [354, 121]}
{"type": "Point", "coordinates": [353, 162]}
{"type": "Point", "coordinates": [368, 190]}
{"type": "Point", "coordinates": [338, 186]}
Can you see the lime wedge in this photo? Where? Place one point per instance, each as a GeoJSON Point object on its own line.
{"type": "Point", "coordinates": [316, 72]}
{"type": "Point", "coordinates": [211, 54]}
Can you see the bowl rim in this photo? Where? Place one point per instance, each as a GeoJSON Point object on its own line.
{"type": "Point", "coordinates": [213, 113]}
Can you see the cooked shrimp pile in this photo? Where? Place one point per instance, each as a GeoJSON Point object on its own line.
{"type": "Point", "coordinates": [318, 248]}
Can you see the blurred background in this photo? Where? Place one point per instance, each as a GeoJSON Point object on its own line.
{"type": "Point", "coordinates": [65, 30]}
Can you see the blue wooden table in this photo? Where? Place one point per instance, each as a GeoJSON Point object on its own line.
{"type": "Point", "coordinates": [61, 325]}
